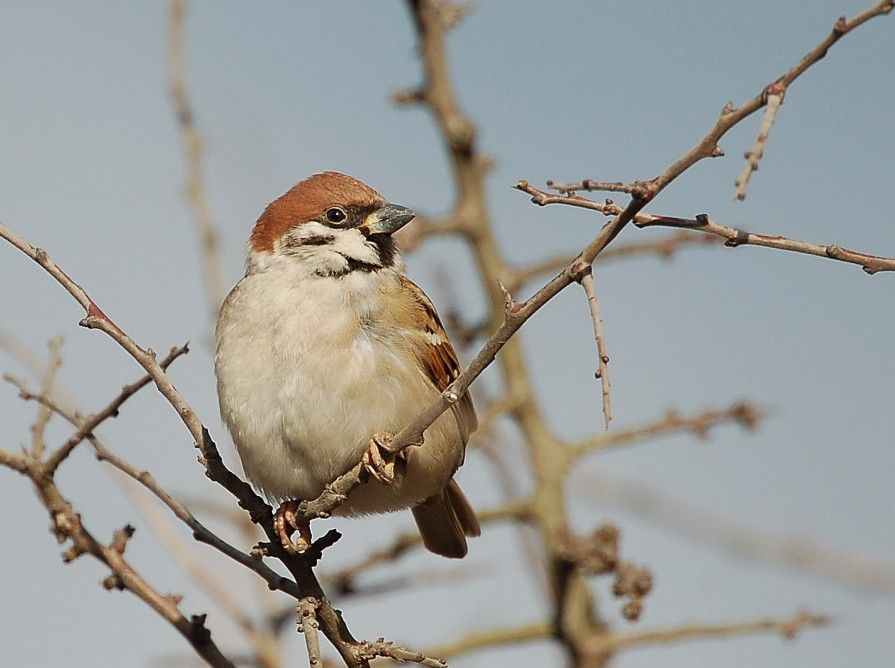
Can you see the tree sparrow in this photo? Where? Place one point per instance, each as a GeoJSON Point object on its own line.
{"type": "Point", "coordinates": [323, 348]}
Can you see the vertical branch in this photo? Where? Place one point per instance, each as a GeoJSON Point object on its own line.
{"type": "Point", "coordinates": [192, 146]}
{"type": "Point", "coordinates": [574, 616]}
{"type": "Point", "coordinates": [46, 387]}
{"type": "Point", "coordinates": [587, 282]}
{"type": "Point", "coordinates": [307, 624]}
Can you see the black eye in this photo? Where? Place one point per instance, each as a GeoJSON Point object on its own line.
{"type": "Point", "coordinates": [335, 215]}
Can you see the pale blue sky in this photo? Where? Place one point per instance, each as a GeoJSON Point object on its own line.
{"type": "Point", "coordinates": [91, 169]}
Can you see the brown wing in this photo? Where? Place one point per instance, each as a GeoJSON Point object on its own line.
{"type": "Point", "coordinates": [437, 357]}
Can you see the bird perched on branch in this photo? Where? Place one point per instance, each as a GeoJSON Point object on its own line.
{"type": "Point", "coordinates": [324, 349]}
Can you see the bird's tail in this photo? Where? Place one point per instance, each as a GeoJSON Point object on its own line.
{"type": "Point", "coordinates": [445, 520]}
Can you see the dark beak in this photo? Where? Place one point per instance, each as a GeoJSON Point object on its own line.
{"type": "Point", "coordinates": [388, 219]}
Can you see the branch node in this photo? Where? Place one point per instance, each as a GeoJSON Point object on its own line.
{"type": "Point", "coordinates": [580, 269]}
{"type": "Point", "coordinates": [198, 630]}
{"type": "Point", "coordinates": [120, 538]}
{"type": "Point", "coordinates": [510, 306]}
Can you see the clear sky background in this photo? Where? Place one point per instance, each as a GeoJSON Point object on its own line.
{"type": "Point", "coordinates": [91, 169]}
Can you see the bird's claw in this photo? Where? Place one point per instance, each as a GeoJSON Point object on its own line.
{"type": "Point", "coordinates": [379, 460]}
{"type": "Point", "coordinates": [287, 520]}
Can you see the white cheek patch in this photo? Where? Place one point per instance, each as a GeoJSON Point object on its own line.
{"type": "Point", "coordinates": [327, 250]}
{"type": "Point", "coordinates": [354, 245]}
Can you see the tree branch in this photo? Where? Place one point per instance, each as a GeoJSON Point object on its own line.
{"type": "Point", "coordinates": [733, 237]}
{"type": "Point", "coordinates": [192, 148]}
{"type": "Point", "coordinates": [788, 628]}
{"type": "Point", "coordinates": [745, 414]}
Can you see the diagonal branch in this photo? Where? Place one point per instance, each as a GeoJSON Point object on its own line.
{"type": "Point", "coordinates": [732, 236]}
{"type": "Point", "coordinates": [355, 653]}
{"type": "Point", "coordinates": [86, 426]}
{"type": "Point", "coordinates": [775, 98]}
{"type": "Point", "coordinates": [344, 579]}
{"type": "Point", "coordinates": [67, 525]}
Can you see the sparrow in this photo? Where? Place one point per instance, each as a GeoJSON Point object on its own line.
{"type": "Point", "coordinates": [324, 349]}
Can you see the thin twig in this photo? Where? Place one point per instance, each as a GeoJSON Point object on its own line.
{"type": "Point", "coordinates": [733, 237]}
{"type": "Point", "coordinates": [788, 628]}
{"type": "Point", "coordinates": [664, 248]}
{"type": "Point", "coordinates": [494, 638]}
{"type": "Point", "coordinates": [67, 525]}
{"type": "Point", "coordinates": [587, 282]}
{"type": "Point", "coordinates": [264, 644]}
{"type": "Point", "coordinates": [44, 414]}
{"type": "Point", "coordinates": [591, 185]}
{"type": "Point", "coordinates": [754, 154]}
{"type": "Point", "coordinates": [192, 146]}
{"type": "Point", "coordinates": [22, 353]}
{"type": "Point", "coordinates": [345, 578]}
{"type": "Point", "coordinates": [200, 532]}
{"type": "Point", "coordinates": [745, 414]}
{"type": "Point", "coordinates": [848, 567]}
{"type": "Point", "coordinates": [90, 423]}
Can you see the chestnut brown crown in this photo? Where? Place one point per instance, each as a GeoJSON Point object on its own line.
{"type": "Point", "coordinates": [310, 200]}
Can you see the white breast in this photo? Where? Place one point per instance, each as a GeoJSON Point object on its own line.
{"type": "Point", "coordinates": [307, 371]}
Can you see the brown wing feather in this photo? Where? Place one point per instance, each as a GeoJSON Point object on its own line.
{"type": "Point", "coordinates": [438, 359]}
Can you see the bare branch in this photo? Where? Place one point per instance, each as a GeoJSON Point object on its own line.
{"type": "Point", "coordinates": [385, 648]}
{"type": "Point", "coordinates": [494, 638]}
{"type": "Point", "coordinates": [352, 651]}
{"type": "Point", "coordinates": [849, 567]}
{"type": "Point", "coordinates": [87, 425]}
{"type": "Point", "coordinates": [747, 415]}
{"type": "Point", "coordinates": [344, 579]}
{"type": "Point", "coordinates": [67, 525]}
{"type": "Point", "coordinates": [664, 248]}
{"type": "Point", "coordinates": [43, 413]}
{"type": "Point", "coordinates": [788, 628]}
{"type": "Point", "coordinates": [732, 237]}
{"type": "Point", "coordinates": [586, 278]}
{"type": "Point", "coordinates": [753, 155]}
{"type": "Point", "coordinates": [200, 532]}
{"type": "Point", "coordinates": [591, 185]}
{"type": "Point", "coordinates": [307, 624]}
{"type": "Point", "coordinates": [17, 461]}
{"type": "Point", "coordinates": [192, 146]}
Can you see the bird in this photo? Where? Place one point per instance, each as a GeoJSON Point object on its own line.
{"type": "Point", "coordinates": [324, 349]}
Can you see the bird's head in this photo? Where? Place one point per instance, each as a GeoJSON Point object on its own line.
{"type": "Point", "coordinates": [333, 224]}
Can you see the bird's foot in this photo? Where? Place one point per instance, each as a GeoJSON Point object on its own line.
{"type": "Point", "coordinates": [379, 460]}
{"type": "Point", "coordinates": [287, 520]}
